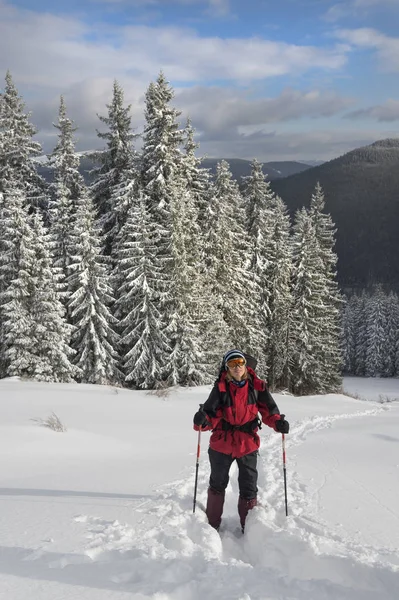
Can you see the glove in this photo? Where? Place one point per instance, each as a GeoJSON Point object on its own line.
{"type": "Point", "coordinates": [282, 426]}
{"type": "Point", "coordinates": [200, 419]}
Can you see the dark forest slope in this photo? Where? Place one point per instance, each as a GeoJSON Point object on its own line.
{"type": "Point", "coordinates": [362, 195]}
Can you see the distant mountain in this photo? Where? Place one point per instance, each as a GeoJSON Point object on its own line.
{"type": "Point", "coordinates": [362, 195]}
{"type": "Point", "coordinates": [241, 168]}
{"type": "Point", "coordinates": [86, 165]}
{"type": "Point", "coordinates": [313, 163]}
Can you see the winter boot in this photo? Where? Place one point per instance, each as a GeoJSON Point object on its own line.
{"type": "Point", "coordinates": [244, 506]}
{"type": "Point", "coordinates": [214, 507]}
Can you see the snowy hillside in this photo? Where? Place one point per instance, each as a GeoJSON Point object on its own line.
{"type": "Point", "coordinates": [104, 510]}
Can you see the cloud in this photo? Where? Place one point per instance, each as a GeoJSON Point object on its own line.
{"type": "Point", "coordinates": [50, 55]}
{"type": "Point", "coordinates": [272, 145]}
{"type": "Point", "coordinates": [387, 112]}
{"type": "Point", "coordinates": [216, 110]}
{"type": "Point", "coordinates": [44, 49]}
{"type": "Point", "coordinates": [351, 8]}
{"type": "Point", "coordinates": [218, 8]}
{"type": "Point", "coordinates": [387, 48]}
{"type": "Point", "coordinates": [213, 7]}
{"type": "Point", "coordinates": [377, 3]}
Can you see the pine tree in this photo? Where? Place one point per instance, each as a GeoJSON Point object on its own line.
{"type": "Point", "coordinates": [332, 300]}
{"type": "Point", "coordinates": [200, 323]}
{"type": "Point", "coordinates": [361, 335]}
{"type": "Point", "coordinates": [50, 331]}
{"type": "Point", "coordinates": [376, 320]}
{"type": "Point", "coordinates": [94, 339]}
{"type": "Point", "coordinates": [161, 181]}
{"type": "Point", "coordinates": [64, 159]}
{"type": "Point", "coordinates": [197, 324]}
{"type": "Point", "coordinates": [228, 260]}
{"type": "Point", "coordinates": [392, 336]}
{"type": "Point", "coordinates": [14, 229]}
{"type": "Point", "coordinates": [259, 200]}
{"type": "Point", "coordinates": [308, 309]}
{"type": "Point", "coordinates": [137, 305]}
{"type": "Point", "coordinates": [18, 149]}
{"type": "Point", "coordinates": [35, 332]}
{"type": "Point", "coordinates": [198, 182]}
{"type": "Point", "coordinates": [66, 193]}
{"type": "Point", "coordinates": [281, 299]}
{"type": "Point", "coordinates": [348, 343]}
{"type": "Point", "coordinates": [117, 167]}
{"type": "Point", "coordinates": [268, 226]}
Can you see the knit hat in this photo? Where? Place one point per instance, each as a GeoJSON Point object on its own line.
{"type": "Point", "coordinates": [233, 354]}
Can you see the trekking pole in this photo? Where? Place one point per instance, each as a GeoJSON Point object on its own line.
{"type": "Point", "coordinates": [285, 477]}
{"type": "Point", "coordinates": [196, 468]}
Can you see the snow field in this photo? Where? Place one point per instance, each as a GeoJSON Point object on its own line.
{"type": "Point", "coordinates": [105, 509]}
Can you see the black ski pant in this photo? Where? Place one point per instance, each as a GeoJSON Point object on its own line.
{"type": "Point", "coordinates": [247, 473]}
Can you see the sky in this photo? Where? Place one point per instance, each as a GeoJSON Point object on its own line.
{"type": "Point", "coordinates": [266, 79]}
{"type": "Point", "coordinates": [103, 511]}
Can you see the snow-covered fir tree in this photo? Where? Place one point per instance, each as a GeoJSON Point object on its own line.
{"type": "Point", "coordinates": [18, 149]}
{"type": "Point", "coordinates": [66, 191]}
{"type": "Point", "coordinates": [137, 305]}
{"type": "Point", "coordinates": [50, 330]}
{"type": "Point", "coordinates": [308, 314]}
{"type": "Point", "coordinates": [349, 334]}
{"type": "Point", "coordinates": [64, 160]}
{"type": "Point", "coordinates": [259, 200]}
{"type": "Point", "coordinates": [370, 325]}
{"type": "Point", "coordinates": [376, 320]}
{"type": "Point", "coordinates": [198, 324]}
{"type": "Point", "coordinates": [228, 261]}
{"type": "Point", "coordinates": [35, 332]}
{"type": "Point", "coordinates": [198, 182]}
{"type": "Point", "coordinates": [202, 327]}
{"type": "Point", "coordinates": [94, 339]}
{"type": "Point", "coordinates": [161, 181]}
{"type": "Point", "coordinates": [14, 228]}
{"type": "Point", "coordinates": [332, 300]}
{"type": "Point", "coordinates": [268, 227]}
{"type": "Point", "coordinates": [391, 355]}
{"type": "Point", "coordinates": [361, 335]}
{"type": "Point", "coordinates": [117, 165]}
{"type": "Point", "coordinates": [281, 299]}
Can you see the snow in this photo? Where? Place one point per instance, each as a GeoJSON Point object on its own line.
{"type": "Point", "coordinates": [104, 510]}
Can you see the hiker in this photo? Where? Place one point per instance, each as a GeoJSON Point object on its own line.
{"type": "Point", "coordinates": [231, 412]}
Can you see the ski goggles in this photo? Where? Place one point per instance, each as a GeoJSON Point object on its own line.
{"type": "Point", "coordinates": [236, 362]}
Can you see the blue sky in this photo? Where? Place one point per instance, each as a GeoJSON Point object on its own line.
{"type": "Point", "coordinates": [275, 80]}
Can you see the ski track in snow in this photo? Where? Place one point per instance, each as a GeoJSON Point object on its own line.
{"type": "Point", "coordinates": [170, 553]}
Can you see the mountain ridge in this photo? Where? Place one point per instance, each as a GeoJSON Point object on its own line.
{"type": "Point", "coordinates": [361, 193]}
{"type": "Point", "coordinates": [239, 167]}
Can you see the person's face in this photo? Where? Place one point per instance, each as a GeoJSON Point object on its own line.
{"type": "Point", "coordinates": [236, 367]}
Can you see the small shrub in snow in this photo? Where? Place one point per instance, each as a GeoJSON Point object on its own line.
{"type": "Point", "coordinates": [163, 391]}
{"type": "Point", "coordinates": [384, 398]}
{"type": "Point", "coordinates": [52, 422]}
{"type": "Point", "coordinates": [353, 395]}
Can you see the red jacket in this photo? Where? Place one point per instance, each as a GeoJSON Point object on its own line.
{"type": "Point", "coordinates": [229, 407]}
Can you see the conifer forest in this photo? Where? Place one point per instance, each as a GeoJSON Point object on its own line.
{"type": "Point", "coordinates": [144, 277]}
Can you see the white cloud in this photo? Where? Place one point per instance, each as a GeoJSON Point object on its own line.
{"type": "Point", "coordinates": [44, 49]}
{"type": "Point", "coordinates": [216, 110]}
{"type": "Point", "coordinates": [273, 145]}
{"type": "Point", "coordinates": [378, 3]}
{"type": "Point", "coordinates": [49, 55]}
{"type": "Point", "coordinates": [352, 8]}
{"type": "Point", "coordinates": [387, 112]}
{"type": "Point", "coordinates": [387, 48]}
{"type": "Point", "coordinates": [217, 7]}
